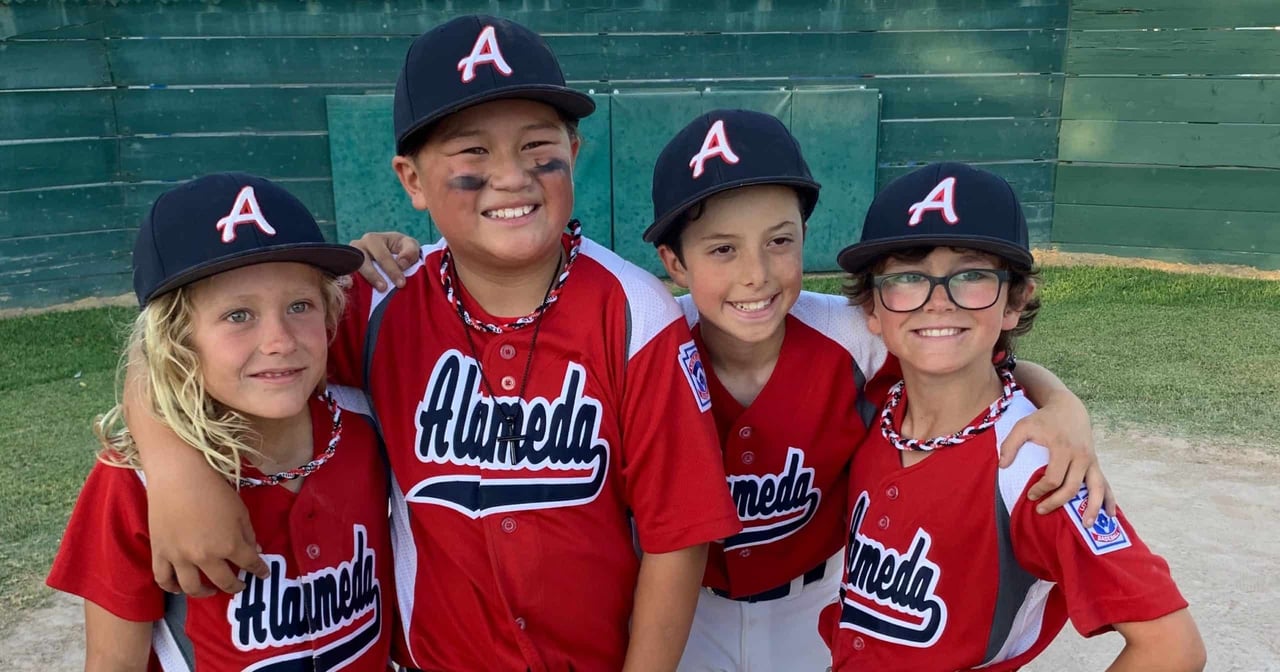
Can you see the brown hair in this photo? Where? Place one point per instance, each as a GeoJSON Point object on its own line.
{"type": "Point", "coordinates": [860, 290]}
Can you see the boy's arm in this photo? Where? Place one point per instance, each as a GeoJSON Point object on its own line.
{"type": "Point", "coordinates": [113, 644]}
{"type": "Point", "coordinates": [391, 251]}
{"type": "Point", "coordinates": [1062, 425]}
{"type": "Point", "coordinates": [1170, 643]}
{"type": "Point", "coordinates": [197, 521]}
{"type": "Point", "coordinates": [666, 595]}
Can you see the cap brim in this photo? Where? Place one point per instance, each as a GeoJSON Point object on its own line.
{"type": "Point", "coordinates": [330, 258]}
{"type": "Point", "coordinates": [573, 103]}
{"type": "Point", "coordinates": [855, 258]}
{"type": "Point", "coordinates": [658, 229]}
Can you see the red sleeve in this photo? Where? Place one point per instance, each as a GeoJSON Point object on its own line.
{"type": "Point", "coordinates": [1106, 573]}
{"type": "Point", "coordinates": [346, 352]}
{"type": "Point", "coordinates": [105, 555]}
{"type": "Point", "coordinates": [671, 464]}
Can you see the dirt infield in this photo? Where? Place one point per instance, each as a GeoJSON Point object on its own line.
{"type": "Point", "coordinates": [1212, 511]}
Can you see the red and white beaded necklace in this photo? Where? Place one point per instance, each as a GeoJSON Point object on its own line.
{"type": "Point", "coordinates": [309, 468]}
{"type": "Point", "coordinates": [997, 408]}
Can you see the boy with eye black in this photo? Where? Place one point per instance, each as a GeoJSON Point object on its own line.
{"type": "Point", "coordinates": [542, 401]}
{"type": "Point", "coordinates": [946, 566]}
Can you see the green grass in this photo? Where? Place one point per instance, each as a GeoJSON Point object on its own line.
{"type": "Point", "coordinates": [1181, 354]}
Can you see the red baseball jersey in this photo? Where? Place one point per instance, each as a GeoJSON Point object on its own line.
{"type": "Point", "coordinates": [787, 455]}
{"type": "Point", "coordinates": [949, 567]}
{"type": "Point", "coordinates": [521, 553]}
{"type": "Point", "coordinates": [325, 606]}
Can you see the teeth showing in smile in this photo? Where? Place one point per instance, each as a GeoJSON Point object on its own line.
{"type": "Point", "coordinates": [509, 213]}
{"type": "Point", "coordinates": [950, 331]}
{"type": "Point", "coordinates": [752, 306]}
{"type": "Point", "coordinates": [276, 374]}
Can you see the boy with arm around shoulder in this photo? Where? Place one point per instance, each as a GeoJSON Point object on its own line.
{"type": "Point", "coordinates": [946, 567]}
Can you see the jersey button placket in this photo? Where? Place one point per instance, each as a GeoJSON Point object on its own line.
{"type": "Point", "coordinates": [859, 644]}
{"type": "Point", "coordinates": [313, 551]}
{"type": "Point", "coordinates": [508, 525]}
{"type": "Point", "coordinates": [507, 351]}
{"type": "Point", "coordinates": [884, 522]}
{"type": "Point", "coordinates": [891, 492]}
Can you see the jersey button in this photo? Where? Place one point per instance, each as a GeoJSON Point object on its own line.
{"type": "Point", "coordinates": [744, 553]}
{"type": "Point", "coordinates": [520, 623]}
{"type": "Point", "coordinates": [748, 457]}
{"type": "Point", "coordinates": [508, 383]}
{"type": "Point", "coordinates": [858, 644]}
{"type": "Point", "coordinates": [508, 524]}
{"type": "Point", "coordinates": [892, 492]}
{"type": "Point", "coordinates": [313, 551]}
{"type": "Point", "coordinates": [507, 351]}
{"type": "Point", "coordinates": [745, 432]}
{"type": "Point", "coordinates": [884, 522]}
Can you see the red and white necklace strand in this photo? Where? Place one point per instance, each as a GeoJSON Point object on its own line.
{"type": "Point", "coordinates": [450, 293]}
{"type": "Point", "coordinates": [988, 421]}
{"type": "Point", "coordinates": [310, 467]}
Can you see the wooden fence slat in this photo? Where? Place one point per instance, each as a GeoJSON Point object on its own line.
{"type": "Point", "coordinates": [53, 65]}
{"type": "Point", "coordinates": [52, 292]}
{"type": "Point", "coordinates": [29, 115]}
{"type": "Point", "coordinates": [1249, 101]}
{"type": "Point", "coordinates": [1112, 15]}
{"type": "Point", "coordinates": [1237, 189]}
{"type": "Point", "coordinates": [1170, 144]}
{"type": "Point", "coordinates": [248, 18]}
{"type": "Point", "coordinates": [52, 20]}
{"type": "Point", "coordinates": [36, 165]}
{"type": "Point", "coordinates": [257, 109]}
{"type": "Point", "coordinates": [182, 158]}
{"type": "Point", "coordinates": [975, 140]}
{"type": "Point", "coordinates": [1193, 52]}
{"type": "Point", "coordinates": [56, 211]}
{"type": "Point", "coordinates": [1264, 261]}
{"type": "Point", "coordinates": [376, 60]}
{"type": "Point", "coordinates": [949, 97]}
{"type": "Point", "coordinates": [1230, 231]}
{"type": "Point", "coordinates": [40, 258]}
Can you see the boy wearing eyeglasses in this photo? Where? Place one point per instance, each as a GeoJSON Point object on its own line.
{"type": "Point", "coordinates": [946, 566]}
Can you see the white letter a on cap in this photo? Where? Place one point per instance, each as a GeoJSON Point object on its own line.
{"type": "Point", "coordinates": [485, 50]}
{"type": "Point", "coordinates": [942, 198]}
{"type": "Point", "coordinates": [715, 144]}
{"type": "Point", "coordinates": [245, 211]}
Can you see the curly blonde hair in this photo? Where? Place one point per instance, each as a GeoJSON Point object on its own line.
{"type": "Point", "coordinates": [160, 342]}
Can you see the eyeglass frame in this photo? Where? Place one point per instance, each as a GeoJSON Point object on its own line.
{"type": "Point", "coordinates": [1002, 277]}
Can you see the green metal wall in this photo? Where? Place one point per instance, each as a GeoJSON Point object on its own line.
{"type": "Point", "coordinates": [1181, 162]}
{"type": "Point", "coordinates": [104, 105]}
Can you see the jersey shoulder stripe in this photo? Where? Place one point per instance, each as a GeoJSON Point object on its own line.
{"type": "Point", "coordinates": [650, 306]}
{"type": "Point", "coordinates": [833, 317]}
{"type": "Point", "coordinates": [1031, 457]}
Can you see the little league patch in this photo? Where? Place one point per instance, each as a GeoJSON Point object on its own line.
{"type": "Point", "coordinates": [1105, 535]}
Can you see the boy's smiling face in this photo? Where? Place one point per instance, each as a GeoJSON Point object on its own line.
{"type": "Point", "coordinates": [940, 338]}
{"type": "Point", "coordinates": [497, 179]}
{"type": "Point", "coordinates": [742, 261]}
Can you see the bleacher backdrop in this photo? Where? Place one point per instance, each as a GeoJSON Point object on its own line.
{"type": "Point", "coordinates": [1133, 127]}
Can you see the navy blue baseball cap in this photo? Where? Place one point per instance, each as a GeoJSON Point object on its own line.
{"type": "Point", "coordinates": [475, 59]}
{"type": "Point", "coordinates": [942, 204]}
{"type": "Point", "coordinates": [224, 221]}
{"type": "Point", "coordinates": [723, 150]}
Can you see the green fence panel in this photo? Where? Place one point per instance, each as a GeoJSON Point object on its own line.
{"type": "Point", "coordinates": [244, 18]}
{"type": "Point", "coordinates": [41, 258]}
{"type": "Point", "coordinates": [838, 132]}
{"type": "Point", "coordinates": [252, 109]}
{"type": "Point", "coordinates": [1138, 14]}
{"type": "Point", "coordinates": [29, 115]}
{"type": "Point", "coordinates": [1240, 189]}
{"type": "Point", "coordinates": [53, 65]}
{"type": "Point", "coordinates": [593, 173]}
{"type": "Point", "coordinates": [367, 196]}
{"type": "Point", "coordinates": [53, 211]}
{"type": "Point", "coordinates": [1195, 52]}
{"type": "Point", "coordinates": [182, 158]}
{"type": "Point", "coordinates": [970, 140]}
{"type": "Point", "coordinates": [1176, 144]}
{"type": "Point", "coordinates": [54, 163]}
{"type": "Point", "coordinates": [1247, 101]}
{"type": "Point", "coordinates": [1218, 230]}
{"type": "Point", "coordinates": [51, 292]}
{"type": "Point", "coordinates": [976, 96]}
{"type": "Point", "coordinates": [52, 20]}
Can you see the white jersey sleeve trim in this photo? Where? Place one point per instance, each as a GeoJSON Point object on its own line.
{"type": "Point", "coordinates": [350, 399]}
{"type": "Point", "coordinates": [833, 317]}
{"type": "Point", "coordinates": [1014, 479]}
{"type": "Point", "coordinates": [380, 296]}
{"type": "Point", "coordinates": [691, 314]}
{"type": "Point", "coordinates": [651, 306]}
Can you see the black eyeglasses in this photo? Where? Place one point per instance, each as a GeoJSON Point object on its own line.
{"type": "Point", "coordinates": [970, 289]}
